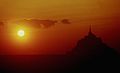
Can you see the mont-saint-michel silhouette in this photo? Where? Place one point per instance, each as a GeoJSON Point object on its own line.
{"type": "Point", "coordinates": [92, 53]}
{"type": "Point", "coordinates": [91, 45]}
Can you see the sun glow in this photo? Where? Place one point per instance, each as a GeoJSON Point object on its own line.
{"type": "Point", "coordinates": [21, 33]}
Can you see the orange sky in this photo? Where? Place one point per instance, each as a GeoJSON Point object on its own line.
{"type": "Point", "coordinates": [104, 15]}
{"type": "Point", "coordinates": [58, 8]}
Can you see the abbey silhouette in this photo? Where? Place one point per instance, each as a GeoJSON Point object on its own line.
{"type": "Point", "coordinates": [91, 52]}
{"type": "Point", "coordinates": [91, 45]}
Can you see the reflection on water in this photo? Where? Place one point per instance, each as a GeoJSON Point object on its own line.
{"type": "Point", "coordinates": [30, 63]}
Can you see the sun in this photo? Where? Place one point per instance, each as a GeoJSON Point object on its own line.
{"type": "Point", "coordinates": [21, 33]}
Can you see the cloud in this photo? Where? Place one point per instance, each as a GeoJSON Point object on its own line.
{"type": "Point", "coordinates": [40, 23]}
{"type": "Point", "coordinates": [65, 21]}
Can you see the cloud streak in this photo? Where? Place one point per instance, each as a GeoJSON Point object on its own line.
{"type": "Point", "coordinates": [39, 23]}
{"type": "Point", "coordinates": [65, 21]}
{"type": "Point", "coordinates": [36, 23]}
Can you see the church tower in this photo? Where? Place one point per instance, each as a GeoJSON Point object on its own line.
{"type": "Point", "coordinates": [90, 30]}
{"type": "Point", "coordinates": [90, 33]}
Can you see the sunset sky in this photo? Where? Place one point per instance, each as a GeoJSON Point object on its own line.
{"type": "Point", "coordinates": [103, 15]}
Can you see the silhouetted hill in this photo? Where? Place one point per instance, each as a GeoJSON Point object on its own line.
{"type": "Point", "coordinates": [91, 45]}
{"type": "Point", "coordinates": [91, 53]}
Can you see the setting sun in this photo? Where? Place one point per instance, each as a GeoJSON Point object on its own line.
{"type": "Point", "coordinates": [21, 33]}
